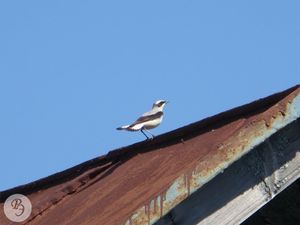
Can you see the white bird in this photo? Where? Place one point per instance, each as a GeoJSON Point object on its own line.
{"type": "Point", "coordinates": [148, 120]}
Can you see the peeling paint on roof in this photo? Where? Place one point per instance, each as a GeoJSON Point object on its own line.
{"type": "Point", "coordinates": [227, 153]}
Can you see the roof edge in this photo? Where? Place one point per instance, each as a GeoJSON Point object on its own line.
{"type": "Point", "coordinates": [172, 137]}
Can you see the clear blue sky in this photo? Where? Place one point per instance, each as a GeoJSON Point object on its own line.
{"type": "Point", "coordinates": [73, 71]}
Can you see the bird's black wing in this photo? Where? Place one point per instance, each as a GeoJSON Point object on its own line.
{"type": "Point", "coordinates": [143, 119]}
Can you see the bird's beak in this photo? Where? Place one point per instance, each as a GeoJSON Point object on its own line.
{"type": "Point", "coordinates": [167, 102]}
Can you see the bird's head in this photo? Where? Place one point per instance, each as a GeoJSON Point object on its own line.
{"type": "Point", "coordinates": [159, 105]}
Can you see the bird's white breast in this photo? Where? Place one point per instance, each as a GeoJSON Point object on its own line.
{"type": "Point", "coordinates": [153, 123]}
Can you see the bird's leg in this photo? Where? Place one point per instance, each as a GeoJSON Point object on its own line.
{"type": "Point", "coordinates": [144, 133]}
{"type": "Point", "coordinates": [149, 133]}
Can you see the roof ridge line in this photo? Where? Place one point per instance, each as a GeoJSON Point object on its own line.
{"type": "Point", "coordinates": [171, 137]}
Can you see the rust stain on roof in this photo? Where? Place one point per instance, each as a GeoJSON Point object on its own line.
{"type": "Point", "coordinates": [140, 183]}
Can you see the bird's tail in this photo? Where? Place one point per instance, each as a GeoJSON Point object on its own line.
{"type": "Point", "coordinates": [123, 127]}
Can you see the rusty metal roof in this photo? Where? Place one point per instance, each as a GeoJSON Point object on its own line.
{"type": "Point", "coordinates": [139, 184]}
